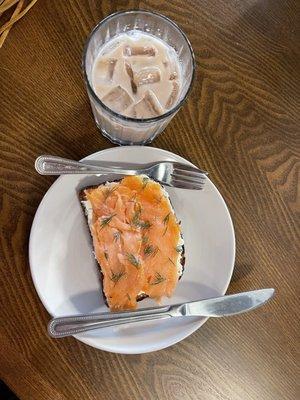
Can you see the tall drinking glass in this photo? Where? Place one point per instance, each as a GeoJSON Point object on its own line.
{"type": "Point", "coordinates": [121, 129]}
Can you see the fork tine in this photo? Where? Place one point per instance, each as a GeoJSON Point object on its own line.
{"type": "Point", "coordinates": [192, 179]}
{"type": "Point", "coordinates": [181, 183]}
{"type": "Point", "coordinates": [191, 172]}
{"type": "Point", "coordinates": [189, 168]}
{"type": "Point", "coordinates": [188, 186]}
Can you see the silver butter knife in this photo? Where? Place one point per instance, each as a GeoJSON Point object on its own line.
{"type": "Point", "coordinates": [217, 307]}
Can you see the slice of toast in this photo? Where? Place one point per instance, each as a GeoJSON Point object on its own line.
{"type": "Point", "coordinates": [88, 212]}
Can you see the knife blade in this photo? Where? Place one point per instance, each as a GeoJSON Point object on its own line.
{"type": "Point", "coordinates": [226, 305]}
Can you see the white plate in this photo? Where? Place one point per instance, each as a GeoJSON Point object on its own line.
{"type": "Point", "coordinates": [64, 271]}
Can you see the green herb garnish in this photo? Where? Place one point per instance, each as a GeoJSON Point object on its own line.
{"type": "Point", "coordinates": [138, 208]}
{"type": "Point", "coordinates": [133, 260]}
{"type": "Point", "coordinates": [117, 236]}
{"type": "Point", "coordinates": [108, 191]}
{"type": "Point", "coordinates": [106, 255]}
{"type": "Point", "coordinates": [145, 182]}
{"type": "Point", "coordinates": [137, 214]}
{"type": "Point", "coordinates": [171, 261]}
{"type": "Point", "coordinates": [128, 297]}
{"type": "Point", "coordinates": [116, 276]}
{"type": "Point", "coordinates": [144, 239]}
{"type": "Point", "coordinates": [150, 250]}
{"type": "Point", "coordinates": [106, 220]}
{"type": "Point", "coordinates": [136, 218]}
{"type": "Point", "coordinates": [166, 221]}
{"type": "Point", "coordinates": [144, 224]}
{"type": "Point", "coordinates": [158, 279]}
{"type": "Point", "coordinates": [178, 248]}
{"type": "Point", "coordinates": [133, 198]}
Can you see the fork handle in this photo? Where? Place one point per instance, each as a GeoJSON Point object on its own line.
{"type": "Point", "coordinates": [67, 326]}
{"type": "Point", "coordinates": [53, 165]}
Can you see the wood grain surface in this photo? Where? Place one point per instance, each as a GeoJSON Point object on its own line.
{"type": "Point", "coordinates": [241, 123]}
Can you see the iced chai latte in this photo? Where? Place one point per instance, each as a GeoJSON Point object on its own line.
{"type": "Point", "coordinates": [138, 68]}
{"type": "Point", "coordinates": [136, 75]}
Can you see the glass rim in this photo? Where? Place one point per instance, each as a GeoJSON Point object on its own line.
{"type": "Point", "coordinates": [98, 100]}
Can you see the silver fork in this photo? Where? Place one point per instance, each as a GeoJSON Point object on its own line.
{"type": "Point", "coordinates": [168, 173]}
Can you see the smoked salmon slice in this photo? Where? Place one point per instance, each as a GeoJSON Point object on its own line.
{"type": "Point", "coordinates": [136, 238]}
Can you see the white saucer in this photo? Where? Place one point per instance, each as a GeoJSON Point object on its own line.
{"type": "Point", "coordinates": [64, 270]}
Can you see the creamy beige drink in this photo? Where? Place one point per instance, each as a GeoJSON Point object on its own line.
{"type": "Point", "coordinates": [137, 75]}
{"type": "Point", "coordinates": [138, 68]}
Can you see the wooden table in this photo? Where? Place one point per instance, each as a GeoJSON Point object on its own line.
{"type": "Point", "coordinates": [241, 123]}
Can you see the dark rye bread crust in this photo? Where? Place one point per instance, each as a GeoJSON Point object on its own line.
{"type": "Point", "coordinates": [82, 197]}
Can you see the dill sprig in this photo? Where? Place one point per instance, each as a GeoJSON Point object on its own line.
{"type": "Point", "coordinates": [133, 198]}
{"type": "Point", "coordinates": [136, 221]}
{"type": "Point", "coordinates": [117, 236]}
{"type": "Point", "coordinates": [165, 222]}
{"type": "Point", "coordinates": [166, 219]}
{"type": "Point", "coordinates": [116, 276]}
{"type": "Point", "coordinates": [106, 220]}
{"type": "Point", "coordinates": [150, 250]}
{"type": "Point", "coordinates": [158, 279]}
{"type": "Point", "coordinates": [144, 239]}
{"type": "Point", "coordinates": [133, 260]}
{"type": "Point", "coordinates": [108, 191]}
{"type": "Point", "coordinates": [178, 248]}
{"type": "Point", "coordinates": [144, 224]}
{"type": "Point", "coordinates": [128, 296]}
{"type": "Point", "coordinates": [137, 214]}
{"type": "Point", "coordinates": [171, 261]}
{"type": "Point", "coordinates": [145, 182]}
{"type": "Point", "coordinates": [106, 255]}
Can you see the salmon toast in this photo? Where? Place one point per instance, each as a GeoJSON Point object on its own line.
{"type": "Point", "coordinates": [137, 240]}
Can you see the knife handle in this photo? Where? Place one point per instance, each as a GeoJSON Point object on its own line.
{"type": "Point", "coordinates": [67, 326]}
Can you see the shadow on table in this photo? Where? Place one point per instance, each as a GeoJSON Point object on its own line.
{"type": "Point", "coordinates": [6, 393]}
{"type": "Point", "coordinates": [241, 271]}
